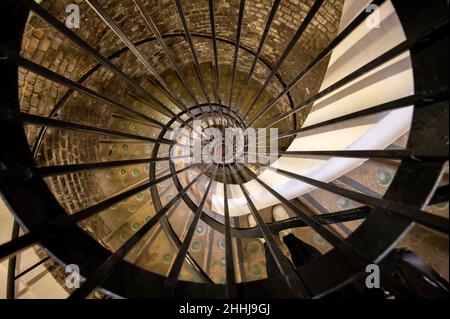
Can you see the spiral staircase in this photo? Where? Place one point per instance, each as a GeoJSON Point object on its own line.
{"type": "Point", "coordinates": [90, 172]}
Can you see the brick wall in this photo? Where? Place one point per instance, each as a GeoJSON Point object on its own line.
{"type": "Point", "coordinates": [51, 49]}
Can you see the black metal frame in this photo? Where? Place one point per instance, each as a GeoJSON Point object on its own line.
{"type": "Point", "coordinates": [305, 23]}
{"type": "Point", "coordinates": [338, 39]}
{"type": "Point", "coordinates": [236, 50]}
{"type": "Point", "coordinates": [385, 220]}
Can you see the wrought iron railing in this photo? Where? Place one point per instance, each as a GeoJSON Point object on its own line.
{"type": "Point", "coordinates": [385, 219]}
